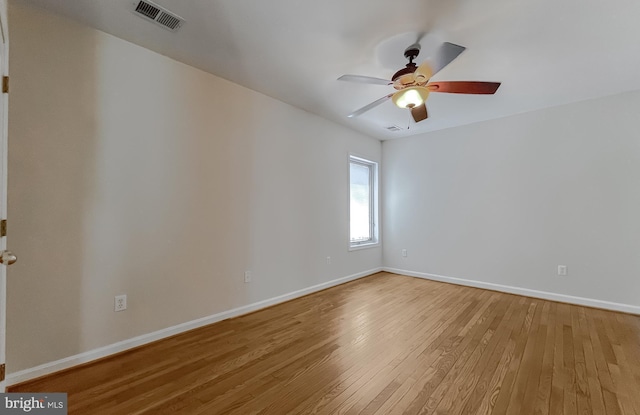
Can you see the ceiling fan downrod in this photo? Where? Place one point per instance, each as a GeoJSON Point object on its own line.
{"type": "Point", "coordinates": [412, 52]}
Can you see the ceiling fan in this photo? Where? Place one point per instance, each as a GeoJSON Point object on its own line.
{"type": "Point", "coordinates": [412, 82]}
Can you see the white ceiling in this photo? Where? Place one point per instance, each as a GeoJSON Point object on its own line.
{"type": "Point", "coordinates": [545, 52]}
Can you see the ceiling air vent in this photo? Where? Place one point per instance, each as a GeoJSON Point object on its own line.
{"type": "Point", "coordinates": [158, 15]}
{"type": "Point", "coordinates": [393, 128]}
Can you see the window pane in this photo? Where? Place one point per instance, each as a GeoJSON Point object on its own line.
{"type": "Point", "coordinates": [360, 202]}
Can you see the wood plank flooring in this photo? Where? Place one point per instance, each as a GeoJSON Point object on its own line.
{"type": "Point", "coordinates": [385, 344]}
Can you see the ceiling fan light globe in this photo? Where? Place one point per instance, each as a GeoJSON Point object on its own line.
{"type": "Point", "coordinates": [410, 97]}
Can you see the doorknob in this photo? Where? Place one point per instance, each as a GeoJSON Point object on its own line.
{"type": "Point", "coordinates": [8, 258]}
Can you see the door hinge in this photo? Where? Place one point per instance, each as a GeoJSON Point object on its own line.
{"type": "Point", "coordinates": [3, 227]}
{"type": "Point", "coordinates": [5, 84]}
{"type": "Point", "coordinates": [1, 372]}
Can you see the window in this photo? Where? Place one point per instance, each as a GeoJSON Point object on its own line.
{"type": "Point", "coordinates": [363, 201]}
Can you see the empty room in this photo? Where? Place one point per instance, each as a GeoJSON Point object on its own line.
{"type": "Point", "coordinates": [292, 207]}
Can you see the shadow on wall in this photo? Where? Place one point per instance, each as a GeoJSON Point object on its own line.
{"type": "Point", "coordinates": [129, 174]}
{"type": "Point", "coordinates": [52, 139]}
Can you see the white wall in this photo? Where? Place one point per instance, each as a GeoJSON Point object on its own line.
{"type": "Point", "coordinates": [133, 173]}
{"type": "Point", "coordinates": [506, 201]}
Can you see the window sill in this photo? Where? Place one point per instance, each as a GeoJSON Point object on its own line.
{"type": "Point", "coordinates": [363, 246]}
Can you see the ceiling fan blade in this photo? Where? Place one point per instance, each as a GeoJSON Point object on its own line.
{"type": "Point", "coordinates": [370, 106]}
{"type": "Point", "coordinates": [464, 87]}
{"type": "Point", "coordinates": [364, 79]}
{"type": "Point", "coordinates": [423, 73]}
{"type": "Point", "coordinates": [445, 55]}
{"type": "Point", "coordinates": [419, 113]}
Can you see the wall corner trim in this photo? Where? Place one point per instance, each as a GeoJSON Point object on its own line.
{"type": "Point", "coordinates": [562, 298]}
{"type": "Point", "coordinates": [101, 352]}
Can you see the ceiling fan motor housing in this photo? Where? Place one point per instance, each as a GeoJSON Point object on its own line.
{"type": "Point", "coordinates": [409, 69]}
{"type": "Point", "coordinates": [410, 53]}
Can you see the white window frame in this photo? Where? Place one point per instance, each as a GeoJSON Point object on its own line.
{"type": "Point", "coordinates": [373, 203]}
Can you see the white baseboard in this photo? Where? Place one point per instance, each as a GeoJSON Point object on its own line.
{"type": "Point", "coordinates": [67, 362]}
{"type": "Point", "coordinates": [589, 302]}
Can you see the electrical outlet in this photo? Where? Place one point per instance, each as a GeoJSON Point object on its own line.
{"type": "Point", "coordinates": [562, 270]}
{"type": "Point", "coordinates": [404, 253]}
{"type": "Point", "coordinates": [120, 303]}
{"type": "Point", "coordinates": [328, 260]}
{"type": "Point", "coordinates": [248, 277]}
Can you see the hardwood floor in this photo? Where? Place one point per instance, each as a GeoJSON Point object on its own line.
{"type": "Point", "coordinates": [385, 344]}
